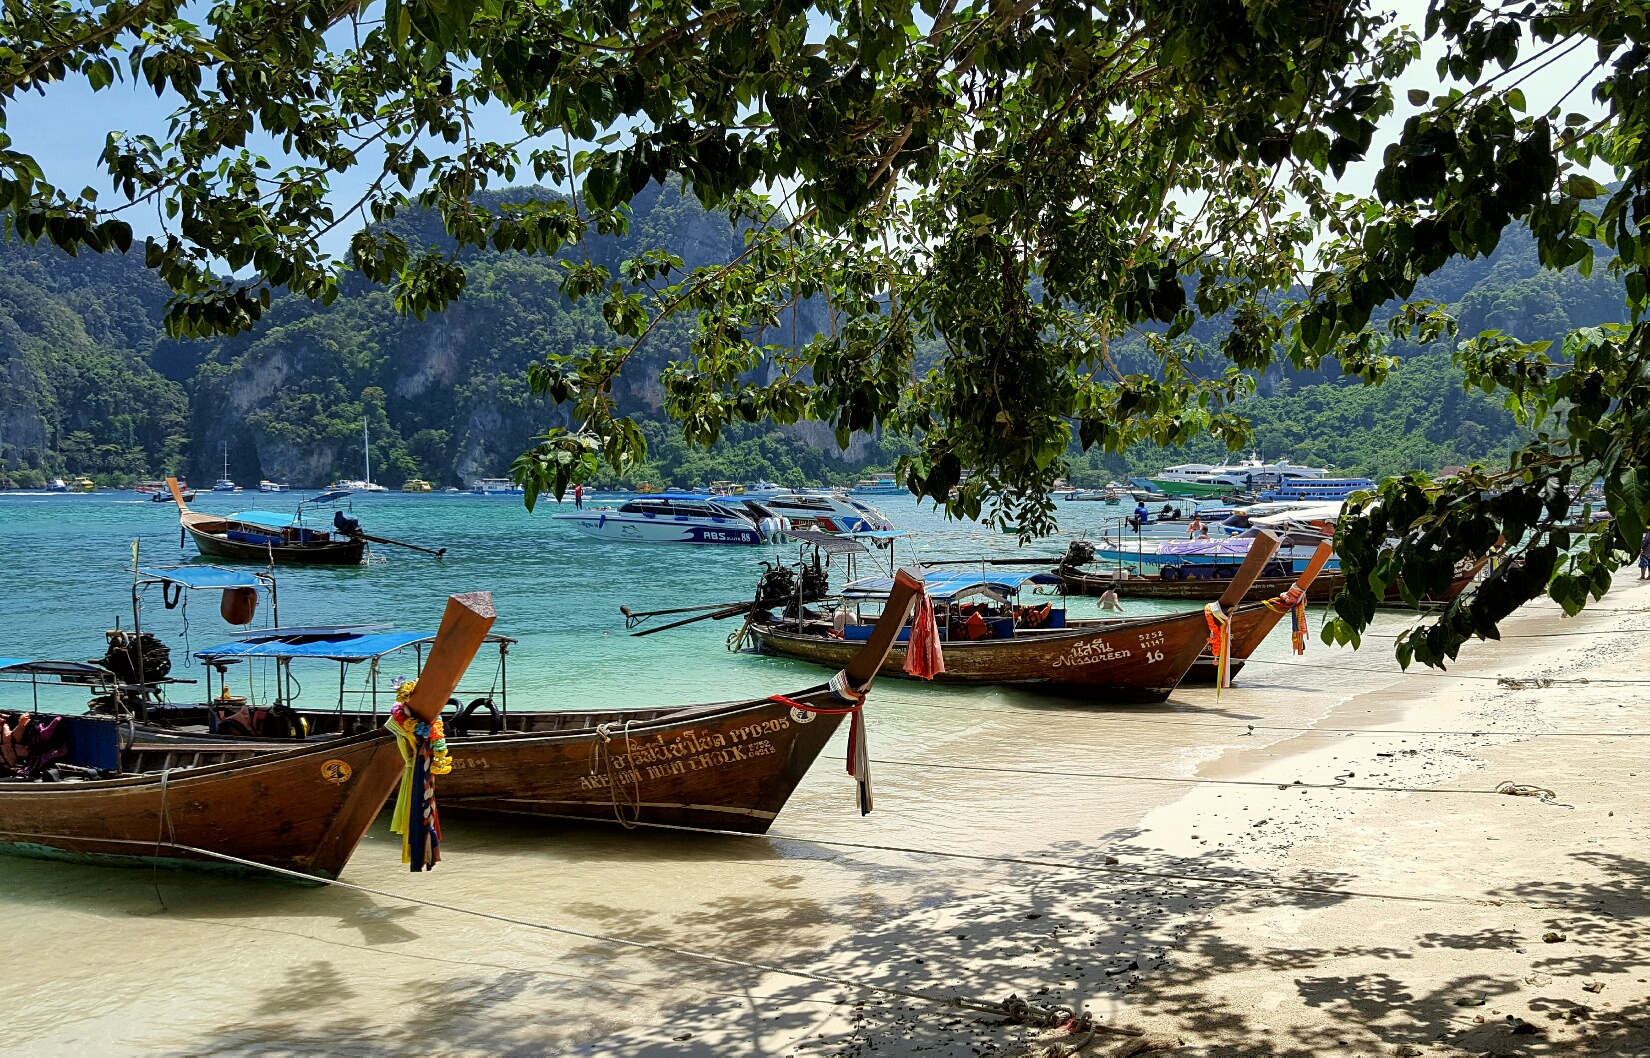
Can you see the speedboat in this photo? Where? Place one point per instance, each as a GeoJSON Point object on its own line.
{"type": "Point", "coordinates": [828, 512]}
{"type": "Point", "coordinates": [58, 485]}
{"type": "Point", "coordinates": [679, 518]}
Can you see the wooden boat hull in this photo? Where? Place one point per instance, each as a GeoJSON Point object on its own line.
{"type": "Point", "coordinates": [330, 553]}
{"type": "Point", "coordinates": [1125, 661]}
{"type": "Point", "coordinates": [302, 809]}
{"type": "Point", "coordinates": [730, 766]}
{"type": "Point", "coordinates": [1322, 589]}
{"type": "Point", "coordinates": [713, 768]}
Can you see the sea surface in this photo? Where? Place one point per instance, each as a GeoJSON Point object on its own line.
{"type": "Point", "coordinates": [140, 960]}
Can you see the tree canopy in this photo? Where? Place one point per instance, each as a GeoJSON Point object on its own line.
{"type": "Point", "coordinates": [1023, 183]}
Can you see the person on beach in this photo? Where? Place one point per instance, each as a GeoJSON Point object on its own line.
{"type": "Point", "coordinates": [1644, 556]}
{"type": "Point", "coordinates": [1110, 601]}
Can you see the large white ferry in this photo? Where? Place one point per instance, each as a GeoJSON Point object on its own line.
{"type": "Point", "coordinates": [674, 518]}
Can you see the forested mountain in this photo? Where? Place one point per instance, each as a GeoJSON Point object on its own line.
{"type": "Point", "coordinates": [90, 385]}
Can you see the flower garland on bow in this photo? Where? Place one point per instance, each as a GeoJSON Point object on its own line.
{"type": "Point", "coordinates": [424, 752]}
{"type": "Point", "coordinates": [1294, 601]}
{"type": "Point", "coordinates": [1220, 644]}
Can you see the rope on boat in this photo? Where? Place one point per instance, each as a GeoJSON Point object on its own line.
{"type": "Point", "coordinates": [602, 754]}
{"type": "Point", "coordinates": [1014, 1008]}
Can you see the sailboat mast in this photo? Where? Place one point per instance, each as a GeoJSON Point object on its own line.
{"type": "Point", "coordinates": [366, 450]}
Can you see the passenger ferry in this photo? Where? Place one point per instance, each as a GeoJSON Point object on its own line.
{"type": "Point", "coordinates": [674, 518]}
{"type": "Point", "coordinates": [881, 485]}
{"type": "Point", "coordinates": [496, 487]}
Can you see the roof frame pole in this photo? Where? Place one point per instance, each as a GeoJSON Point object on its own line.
{"type": "Point", "coordinates": [503, 679]}
{"type": "Point", "coordinates": [343, 669]}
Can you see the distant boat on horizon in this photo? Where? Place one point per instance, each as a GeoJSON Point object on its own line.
{"type": "Point", "coordinates": [225, 484]}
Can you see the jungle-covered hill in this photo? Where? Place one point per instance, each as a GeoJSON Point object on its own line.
{"type": "Point", "coordinates": [90, 385]}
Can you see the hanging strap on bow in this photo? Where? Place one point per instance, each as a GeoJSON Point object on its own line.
{"type": "Point", "coordinates": [859, 752]}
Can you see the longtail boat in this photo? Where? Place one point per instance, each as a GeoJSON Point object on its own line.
{"type": "Point", "coordinates": [1124, 660]}
{"type": "Point", "coordinates": [722, 766]}
{"type": "Point", "coordinates": [73, 791]}
{"type": "Point", "coordinates": [265, 538]}
{"type": "Point", "coordinates": [1130, 585]}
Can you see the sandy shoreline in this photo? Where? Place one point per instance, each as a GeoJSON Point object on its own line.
{"type": "Point", "coordinates": [1440, 952]}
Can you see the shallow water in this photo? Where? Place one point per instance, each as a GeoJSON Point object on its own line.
{"type": "Point", "coordinates": [141, 960]}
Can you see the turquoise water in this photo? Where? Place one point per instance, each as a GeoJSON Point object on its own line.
{"type": "Point", "coordinates": [184, 962]}
{"type": "Point", "coordinates": [66, 559]}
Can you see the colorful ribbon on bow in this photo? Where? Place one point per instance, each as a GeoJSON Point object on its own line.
{"type": "Point", "coordinates": [1294, 601]}
{"type": "Point", "coordinates": [424, 752]}
{"type": "Point", "coordinates": [1220, 644]}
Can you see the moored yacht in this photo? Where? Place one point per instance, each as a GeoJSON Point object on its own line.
{"type": "Point", "coordinates": [676, 518]}
{"type": "Point", "coordinates": [826, 511]}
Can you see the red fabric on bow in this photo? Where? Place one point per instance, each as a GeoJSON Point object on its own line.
{"type": "Point", "coordinates": [923, 658]}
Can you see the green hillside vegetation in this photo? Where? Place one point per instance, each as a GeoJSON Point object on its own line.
{"type": "Point", "coordinates": [90, 385]}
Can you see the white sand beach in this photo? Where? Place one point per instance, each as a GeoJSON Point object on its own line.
{"type": "Point", "coordinates": [1295, 917]}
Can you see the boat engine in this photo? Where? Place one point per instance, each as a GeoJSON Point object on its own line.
{"type": "Point", "coordinates": [131, 654]}
{"type": "Point", "coordinates": [1078, 553]}
{"type": "Point", "coordinates": [816, 583]}
{"type": "Point", "coordinates": [346, 523]}
{"type": "Point", "coordinates": [776, 588]}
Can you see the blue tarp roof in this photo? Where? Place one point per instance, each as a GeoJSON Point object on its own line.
{"type": "Point", "coordinates": [269, 518]}
{"type": "Point", "coordinates": [944, 585]}
{"type": "Point", "coordinates": [6, 663]}
{"type": "Point", "coordinates": [202, 576]}
{"type": "Point", "coordinates": [324, 645]}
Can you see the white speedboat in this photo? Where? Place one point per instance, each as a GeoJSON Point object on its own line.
{"type": "Point", "coordinates": [828, 512]}
{"type": "Point", "coordinates": [679, 518]}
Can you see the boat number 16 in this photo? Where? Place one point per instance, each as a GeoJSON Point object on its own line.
{"type": "Point", "coordinates": [1153, 656]}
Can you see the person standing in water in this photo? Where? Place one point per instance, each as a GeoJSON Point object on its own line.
{"type": "Point", "coordinates": [1110, 601]}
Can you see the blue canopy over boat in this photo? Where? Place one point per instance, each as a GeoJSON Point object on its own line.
{"type": "Point", "coordinates": [6, 663]}
{"type": "Point", "coordinates": [267, 518]}
{"type": "Point", "coordinates": [202, 577]}
{"type": "Point", "coordinates": [944, 586]}
{"type": "Point", "coordinates": [327, 644]}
